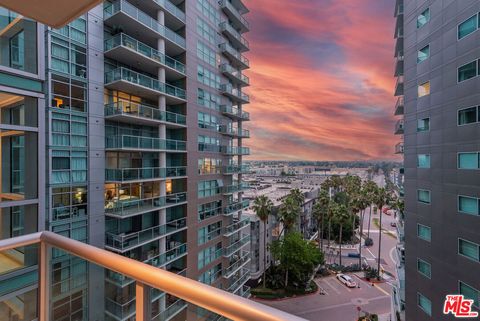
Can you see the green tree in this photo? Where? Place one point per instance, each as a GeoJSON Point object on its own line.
{"type": "Point", "coordinates": [381, 198]}
{"type": "Point", "coordinates": [262, 206]}
{"type": "Point", "coordinates": [288, 213]}
{"type": "Point", "coordinates": [319, 212]}
{"type": "Point", "coordinates": [340, 212]}
{"type": "Point", "coordinates": [370, 190]}
{"type": "Point", "coordinates": [297, 196]}
{"type": "Point", "coordinates": [297, 257]}
{"type": "Point", "coordinates": [363, 203]}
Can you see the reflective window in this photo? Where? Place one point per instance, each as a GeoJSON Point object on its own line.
{"type": "Point", "coordinates": [469, 249]}
{"type": "Point", "coordinates": [423, 18]}
{"type": "Point", "coordinates": [467, 71]}
{"type": "Point", "coordinates": [468, 160]}
{"type": "Point", "coordinates": [424, 268]}
{"type": "Point", "coordinates": [424, 89]}
{"type": "Point", "coordinates": [424, 232]}
{"type": "Point", "coordinates": [424, 304]}
{"type": "Point", "coordinates": [423, 53]}
{"type": "Point", "coordinates": [423, 161]}
{"type": "Point", "coordinates": [14, 308]}
{"type": "Point", "coordinates": [467, 27]}
{"type": "Point", "coordinates": [470, 293]}
{"type": "Point", "coordinates": [468, 205]}
{"type": "Point", "coordinates": [423, 125]}
{"type": "Point", "coordinates": [18, 41]}
{"type": "Point", "coordinates": [467, 116]}
{"type": "Point", "coordinates": [423, 196]}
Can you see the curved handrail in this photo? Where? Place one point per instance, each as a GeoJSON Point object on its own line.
{"type": "Point", "coordinates": [218, 301]}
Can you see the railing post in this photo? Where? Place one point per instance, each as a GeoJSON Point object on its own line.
{"type": "Point", "coordinates": [44, 282]}
{"type": "Point", "coordinates": [143, 302]}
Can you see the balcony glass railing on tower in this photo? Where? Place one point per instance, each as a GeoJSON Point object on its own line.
{"type": "Point", "coordinates": [139, 174]}
{"type": "Point", "coordinates": [236, 58]}
{"type": "Point", "coordinates": [399, 127]}
{"type": "Point", "coordinates": [399, 106]}
{"type": "Point", "coordinates": [234, 15]}
{"type": "Point", "coordinates": [234, 113]}
{"type": "Point", "coordinates": [127, 205]}
{"type": "Point", "coordinates": [148, 114]}
{"type": "Point", "coordinates": [234, 207]}
{"type": "Point", "coordinates": [129, 142]}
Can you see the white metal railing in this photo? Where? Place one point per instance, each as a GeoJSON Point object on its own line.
{"type": "Point", "coordinates": [146, 277]}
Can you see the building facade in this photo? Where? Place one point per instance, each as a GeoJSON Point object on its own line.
{"type": "Point", "coordinates": [134, 116]}
{"type": "Point", "coordinates": [441, 154]}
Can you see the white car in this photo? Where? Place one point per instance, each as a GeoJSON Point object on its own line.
{"type": "Point", "coordinates": [347, 280]}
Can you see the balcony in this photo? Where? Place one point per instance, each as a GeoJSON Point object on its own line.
{"type": "Point", "coordinates": [234, 15]}
{"type": "Point", "coordinates": [236, 169]}
{"type": "Point", "coordinates": [237, 59]}
{"type": "Point", "coordinates": [234, 94]}
{"type": "Point", "coordinates": [226, 304]}
{"type": "Point", "coordinates": [238, 281]}
{"type": "Point", "coordinates": [236, 206]}
{"type": "Point", "coordinates": [148, 29]}
{"type": "Point", "coordinates": [125, 242]}
{"type": "Point", "coordinates": [130, 205]}
{"type": "Point", "coordinates": [399, 127]}
{"type": "Point", "coordinates": [235, 188]}
{"type": "Point", "coordinates": [399, 148]}
{"type": "Point", "coordinates": [171, 311]}
{"type": "Point", "coordinates": [399, 106]}
{"type": "Point", "coordinates": [236, 39]}
{"type": "Point", "coordinates": [235, 76]}
{"type": "Point", "coordinates": [234, 132]}
{"type": "Point", "coordinates": [237, 245]}
{"type": "Point", "coordinates": [140, 114]}
{"type": "Point", "coordinates": [235, 151]}
{"type": "Point", "coordinates": [235, 113]}
{"type": "Point", "coordinates": [398, 47]}
{"type": "Point", "coordinates": [121, 175]}
{"type": "Point", "coordinates": [236, 263]}
{"type": "Point", "coordinates": [146, 144]}
{"type": "Point", "coordinates": [126, 49]}
{"type": "Point", "coordinates": [126, 80]}
{"type": "Point", "coordinates": [236, 227]}
{"type": "Point", "coordinates": [399, 63]}
{"type": "Point", "coordinates": [399, 87]}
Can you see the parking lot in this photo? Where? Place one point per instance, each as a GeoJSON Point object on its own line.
{"type": "Point", "coordinates": [339, 302]}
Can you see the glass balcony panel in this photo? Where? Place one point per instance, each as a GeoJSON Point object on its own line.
{"type": "Point", "coordinates": [148, 143]}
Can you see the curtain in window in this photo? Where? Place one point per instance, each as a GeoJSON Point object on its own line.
{"type": "Point", "coordinates": [79, 176]}
{"type": "Point", "coordinates": [468, 249]}
{"type": "Point", "coordinates": [60, 65]}
{"type": "Point", "coordinates": [62, 177]}
{"type": "Point", "coordinates": [468, 205]}
{"type": "Point", "coordinates": [79, 128]}
{"type": "Point", "coordinates": [468, 161]}
{"type": "Point", "coordinates": [470, 293]}
{"type": "Point", "coordinates": [79, 141]}
{"type": "Point", "coordinates": [60, 126]}
{"type": "Point", "coordinates": [61, 140]}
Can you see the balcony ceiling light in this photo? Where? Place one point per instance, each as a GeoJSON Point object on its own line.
{"type": "Point", "coordinates": [54, 13]}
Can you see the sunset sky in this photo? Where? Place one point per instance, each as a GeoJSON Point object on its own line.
{"type": "Point", "coordinates": [321, 79]}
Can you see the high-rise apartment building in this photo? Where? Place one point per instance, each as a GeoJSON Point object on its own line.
{"type": "Point", "coordinates": [442, 191]}
{"type": "Point", "coordinates": [124, 130]}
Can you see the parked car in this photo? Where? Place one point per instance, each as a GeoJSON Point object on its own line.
{"type": "Point", "coordinates": [346, 280]}
{"type": "Point", "coordinates": [393, 224]}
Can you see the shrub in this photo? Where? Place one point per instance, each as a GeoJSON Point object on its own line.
{"type": "Point", "coordinates": [368, 242]}
{"type": "Point", "coordinates": [370, 273]}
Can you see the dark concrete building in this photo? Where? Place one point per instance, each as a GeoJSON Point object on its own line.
{"type": "Point", "coordinates": [441, 91]}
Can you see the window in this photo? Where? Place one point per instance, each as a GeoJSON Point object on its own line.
{"type": "Point", "coordinates": [423, 53]}
{"type": "Point", "coordinates": [467, 27]}
{"type": "Point", "coordinates": [68, 94]}
{"type": "Point", "coordinates": [208, 144]}
{"type": "Point", "coordinates": [468, 161]}
{"type": "Point", "coordinates": [207, 32]}
{"type": "Point", "coordinates": [468, 205]}
{"type": "Point", "coordinates": [208, 121]}
{"type": "Point", "coordinates": [207, 55]}
{"type": "Point", "coordinates": [424, 268]}
{"type": "Point", "coordinates": [210, 232]}
{"type": "Point", "coordinates": [423, 196]}
{"type": "Point", "coordinates": [423, 161]}
{"type": "Point", "coordinates": [208, 210]}
{"type": "Point", "coordinates": [208, 166]}
{"type": "Point", "coordinates": [424, 89]}
{"type": "Point", "coordinates": [470, 293]}
{"type": "Point", "coordinates": [424, 232]}
{"type": "Point", "coordinates": [423, 18]}
{"type": "Point", "coordinates": [209, 255]}
{"type": "Point", "coordinates": [424, 304]}
{"type": "Point", "coordinates": [211, 275]}
{"type": "Point", "coordinates": [207, 99]}
{"type": "Point", "coordinates": [423, 125]}
{"type": "Point", "coordinates": [208, 77]}
{"type": "Point", "coordinates": [469, 249]}
{"type": "Point", "coordinates": [467, 116]}
{"type": "Point", "coordinates": [208, 11]}
{"type": "Point", "coordinates": [209, 188]}
{"type": "Point", "coordinates": [467, 71]}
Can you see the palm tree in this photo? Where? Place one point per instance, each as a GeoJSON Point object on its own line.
{"type": "Point", "coordinates": [370, 190]}
{"type": "Point", "coordinates": [319, 210]}
{"type": "Point", "coordinates": [342, 216]}
{"type": "Point", "coordinates": [288, 213]}
{"type": "Point", "coordinates": [381, 198]}
{"type": "Point", "coordinates": [262, 206]}
{"type": "Point", "coordinates": [297, 196]}
{"type": "Point", "coordinates": [362, 205]}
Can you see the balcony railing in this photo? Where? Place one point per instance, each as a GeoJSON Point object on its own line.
{"type": "Point", "coordinates": [132, 77]}
{"type": "Point", "coordinates": [234, 247]}
{"type": "Point", "coordinates": [234, 75]}
{"type": "Point", "coordinates": [138, 174]}
{"type": "Point", "coordinates": [236, 169]}
{"type": "Point", "coordinates": [112, 8]}
{"type": "Point", "coordinates": [239, 280]}
{"type": "Point", "coordinates": [234, 14]}
{"type": "Point", "coordinates": [399, 106]}
{"type": "Point", "coordinates": [399, 127]}
{"type": "Point", "coordinates": [235, 227]}
{"type": "Point", "coordinates": [129, 142]}
{"type": "Point", "coordinates": [172, 310]}
{"type": "Point", "coordinates": [234, 93]}
{"type": "Point", "coordinates": [132, 109]}
{"type": "Point", "coordinates": [236, 57]}
{"type": "Point", "coordinates": [235, 265]}
{"type": "Point", "coordinates": [234, 150]}
{"type": "Point", "coordinates": [172, 9]}
{"type": "Point", "coordinates": [126, 41]}
{"type": "Point", "coordinates": [399, 148]}
{"type": "Point", "coordinates": [125, 242]}
{"type": "Point", "coordinates": [146, 277]}
{"type": "Point", "coordinates": [242, 43]}
{"type": "Point", "coordinates": [234, 132]}
{"type": "Point", "coordinates": [134, 205]}
{"type": "Point", "coordinates": [237, 206]}
{"type": "Point", "coordinates": [399, 86]}
{"type": "Point", "coordinates": [235, 188]}
{"type": "Point", "coordinates": [234, 113]}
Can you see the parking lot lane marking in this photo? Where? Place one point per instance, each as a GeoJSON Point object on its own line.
{"type": "Point", "coordinates": [333, 288]}
{"type": "Point", "coordinates": [381, 290]}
